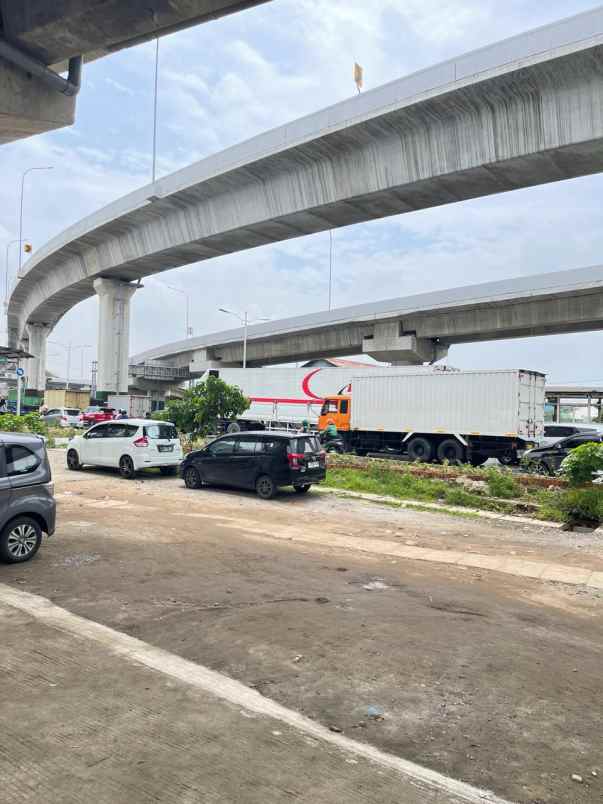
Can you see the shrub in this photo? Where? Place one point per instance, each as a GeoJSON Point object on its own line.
{"type": "Point", "coordinates": [582, 463]}
{"type": "Point", "coordinates": [29, 423]}
{"type": "Point", "coordinates": [502, 484]}
{"type": "Point", "coordinates": [582, 505]}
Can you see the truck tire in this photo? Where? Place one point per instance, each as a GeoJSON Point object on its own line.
{"type": "Point", "coordinates": [420, 449]}
{"type": "Point", "coordinates": [452, 451]}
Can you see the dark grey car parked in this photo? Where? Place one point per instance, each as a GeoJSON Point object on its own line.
{"type": "Point", "coordinates": [263, 461]}
{"type": "Point", "coordinates": [27, 504]}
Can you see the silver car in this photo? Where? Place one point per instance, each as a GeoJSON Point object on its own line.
{"type": "Point", "coordinates": [27, 504]}
{"type": "Point", "coordinates": [62, 417]}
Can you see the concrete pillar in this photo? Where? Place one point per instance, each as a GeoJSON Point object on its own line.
{"type": "Point", "coordinates": [113, 334]}
{"type": "Point", "coordinates": [35, 369]}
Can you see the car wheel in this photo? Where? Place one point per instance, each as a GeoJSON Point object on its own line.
{"type": "Point", "coordinates": [450, 450]}
{"type": "Point", "coordinates": [73, 460]}
{"type": "Point", "coordinates": [419, 449]}
{"type": "Point", "coordinates": [303, 489]}
{"type": "Point", "coordinates": [169, 471]}
{"type": "Point", "coordinates": [265, 487]}
{"type": "Point", "coordinates": [233, 427]}
{"type": "Point", "coordinates": [192, 478]}
{"type": "Point", "coordinates": [20, 540]}
{"type": "Point", "coordinates": [126, 467]}
{"type": "Point", "coordinates": [543, 469]}
{"type": "Point", "coordinates": [336, 448]}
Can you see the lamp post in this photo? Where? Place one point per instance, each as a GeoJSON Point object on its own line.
{"type": "Point", "coordinates": [188, 329]}
{"type": "Point", "coordinates": [244, 319]}
{"type": "Point", "coordinates": [8, 245]}
{"type": "Point", "coordinates": [24, 174]}
{"type": "Point", "coordinates": [69, 347]}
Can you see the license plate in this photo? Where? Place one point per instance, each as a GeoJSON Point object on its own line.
{"type": "Point", "coordinates": [165, 447]}
{"type": "Point", "coordinates": [313, 464]}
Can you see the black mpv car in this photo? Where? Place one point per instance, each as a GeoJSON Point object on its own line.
{"type": "Point", "coordinates": [547, 460]}
{"type": "Point", "coordinates": [257, 460]}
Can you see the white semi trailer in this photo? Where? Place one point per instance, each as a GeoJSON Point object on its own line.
{"type": "Point", "coordinates": [455, 416]}
{"type": "Point", "coordinates": [285, 397]}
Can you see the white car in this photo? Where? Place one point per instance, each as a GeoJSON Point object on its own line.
{"type": "Point", "coordinates": [128, 445]}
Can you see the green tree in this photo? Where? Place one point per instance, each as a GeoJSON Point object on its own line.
{"type": "Point", "coordinates": [204, 405]}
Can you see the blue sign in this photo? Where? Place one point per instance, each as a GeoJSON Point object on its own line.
{"type": "Point", "coordinates": [20, 372]}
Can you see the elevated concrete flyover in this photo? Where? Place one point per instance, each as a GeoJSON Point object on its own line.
{"type": "Point", "coordinates": [521, 112]}
{"type": "Point", "coordinates": [39, 37]}
{"type": "Point", "coordinates": [414, 329]}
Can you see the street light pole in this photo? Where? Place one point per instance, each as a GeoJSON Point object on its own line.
{"type": "Point", "coordinates": [244, 319]}
{"type": "Point", "coordinates": [8, 245]}
{"type": "Point", "coordinates": [188, 332]}
{"type": "Point", "coordinates": [29, 170]}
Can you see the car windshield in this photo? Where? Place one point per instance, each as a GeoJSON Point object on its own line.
{"type": "Point", "coordinates": [161, 431]}
{"type": "Point", "coordinates": [307, 445]}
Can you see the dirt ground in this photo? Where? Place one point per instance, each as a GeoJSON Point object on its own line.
{"type": "Point", "coordinates": [484, 677]}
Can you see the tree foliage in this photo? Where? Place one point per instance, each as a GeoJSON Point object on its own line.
{"type": "Point", "coordinates": [204, 405]}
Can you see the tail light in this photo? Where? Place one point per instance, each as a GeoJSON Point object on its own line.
{"type": "Point", "coordinates": [143, 441]}
{"type": "Point", "coordinates": [295, 459]}
{"type": "Point", "coordinates": [64, 419]}
{"type": "Point", "coordinates": [322, 458]}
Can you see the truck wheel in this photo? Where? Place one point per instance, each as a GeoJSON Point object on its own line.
{"type": "Point", "coordinates": [452, 451]}
{"type": "Point", "coordinates": [233, 427]}
{"type": "Point", "coordinates": [509, 458]}
{"type": "Point", "coordinates": [420, 449]}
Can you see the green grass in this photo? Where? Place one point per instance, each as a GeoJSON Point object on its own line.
{"type": "Point", "coordinates": [506, 495]}
{"type": "Point", "coordinates": [406, 486]}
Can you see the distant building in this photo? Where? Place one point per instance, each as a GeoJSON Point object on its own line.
{"type": "Point", "coordinates": [337, 362]}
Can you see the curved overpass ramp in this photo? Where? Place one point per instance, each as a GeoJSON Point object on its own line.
{"type": "Point", "coordinates": [521, 112]}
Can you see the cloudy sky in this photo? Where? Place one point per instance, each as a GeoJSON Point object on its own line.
{"type": "Point", "coordinates": [231, 79]}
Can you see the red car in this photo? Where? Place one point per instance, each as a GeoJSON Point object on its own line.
{"type": "Point", "coordinates": [95, 414]}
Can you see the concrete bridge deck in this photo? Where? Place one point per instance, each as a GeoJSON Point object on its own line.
{"type": "Point", "coordinates": [411, 329]}
{"type": "Point", "coordinates": [521, 112]}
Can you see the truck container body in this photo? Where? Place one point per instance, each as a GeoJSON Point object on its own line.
{"type": "Point", "coordinates": [469, 403]}
{"type": "Point", "coordinates": [288, 396]}
{"type": "Point", "coordinates": [136, 406]}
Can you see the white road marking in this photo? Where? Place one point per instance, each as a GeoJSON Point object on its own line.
{"type": "Point", "coordinates": [220, 686]}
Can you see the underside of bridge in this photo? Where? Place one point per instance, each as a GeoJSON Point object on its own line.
{"type": "Point", "coordinates": [39, 37]}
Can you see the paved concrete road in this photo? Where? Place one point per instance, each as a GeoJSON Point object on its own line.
{"type": "Point", "coordinates": [487, 678]}
{"type": "Point", "coordinates": [90, 714]}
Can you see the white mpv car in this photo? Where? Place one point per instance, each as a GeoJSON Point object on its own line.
{"type": "Point", "coordinates": [128, 445]}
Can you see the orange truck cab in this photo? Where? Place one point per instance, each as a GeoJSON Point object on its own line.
{"type": "Point", "coordinates": [336, 409]}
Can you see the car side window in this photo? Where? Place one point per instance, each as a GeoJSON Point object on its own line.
{"type": "Point", "coordinates": [20, 461]}
{"type": "Point", "coordinates": [120, 430]}
{"type": "Point", "coordinates": [576, 441]}
{"type": "Point", "coordinates": [270, 446]}
{"type": "Point", "coordinates": [224, 447]}
{"type": "Point", "coordinates": [97, 432]}
{"type": "Point", "coordinates": [343, 406]}
{"type": "Point", "coordinates": [52, 412]}
{"type": "Point", "coordinates": [246, 446]}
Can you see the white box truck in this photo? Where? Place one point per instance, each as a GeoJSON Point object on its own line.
{"type": "Point", "coordinates": [285, 397]}
{"type": "Point", "coordinates": [445, 416]}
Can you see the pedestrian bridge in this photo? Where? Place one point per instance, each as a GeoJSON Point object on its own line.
{"type": "Point", "coordinates": [521, 112]}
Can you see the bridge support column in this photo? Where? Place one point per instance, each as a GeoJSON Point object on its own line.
{"type": "Point", "coordinates": [388, 345]}
{"type": "Point", "coordinates": [35, 370]}
{"type": "Point", "coordinates": [113, 334]}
